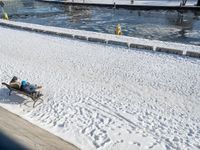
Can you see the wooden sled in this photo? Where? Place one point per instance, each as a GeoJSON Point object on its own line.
{"type": "Point", "coordinates": [34, 96]}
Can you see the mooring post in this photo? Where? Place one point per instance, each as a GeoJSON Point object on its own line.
{"type": "Point", "coordinates": [132, 1]}
{"type": "Point", "coordinates": [114, 5]}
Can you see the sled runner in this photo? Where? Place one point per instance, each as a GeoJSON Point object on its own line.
{"type": "Point", "coordinates": [35, 96]}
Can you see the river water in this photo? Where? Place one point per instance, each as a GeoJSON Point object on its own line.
{"type": "Point", "coordinates": [182, 27]}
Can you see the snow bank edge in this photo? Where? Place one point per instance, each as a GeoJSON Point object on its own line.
{"type": "Point", "coordinates": [124, 41]}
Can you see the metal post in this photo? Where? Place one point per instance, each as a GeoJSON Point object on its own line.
{"type": "Point", "coordinates": [132, 1]}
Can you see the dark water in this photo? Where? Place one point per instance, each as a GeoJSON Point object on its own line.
{"type": "Point", "coordinates": [182, 27]}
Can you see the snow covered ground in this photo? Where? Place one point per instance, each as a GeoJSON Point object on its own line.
{"type": "Point", "coordinates": [136, 2]}
{"type": "Point", "coordinates": [104, 97]}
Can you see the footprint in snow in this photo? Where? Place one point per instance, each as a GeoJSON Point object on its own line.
{"type": "Point", "coordinates": [137, 143]}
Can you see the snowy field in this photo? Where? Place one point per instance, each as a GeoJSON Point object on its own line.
{"type": "Point", "coordinates": [104, 97]}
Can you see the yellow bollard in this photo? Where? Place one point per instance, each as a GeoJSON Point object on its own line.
{"type": "Point", "coordinates": [5, 16]}
{"type": "Point", "coordinates": [118, 30]}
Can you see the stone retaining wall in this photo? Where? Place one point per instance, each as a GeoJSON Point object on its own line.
{"type": "Point", "coordinates": [169, 50]}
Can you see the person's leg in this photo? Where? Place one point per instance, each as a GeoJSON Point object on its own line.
{"type": "Point", "coordinates": [39, 87]}
{"type": "Point", "coordinates": [32, 88]}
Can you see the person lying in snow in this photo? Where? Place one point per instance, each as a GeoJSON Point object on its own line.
{"type": "Point", "coordinates": [29, 88]}
{"type": "Point", "coordinates": [24, 85]}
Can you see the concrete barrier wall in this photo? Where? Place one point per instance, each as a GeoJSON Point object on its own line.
{"type": "Point", "coordinates": [139, 46]}
{"type": "Point", "coordinates": [80, 37]}
{"type": "Point", "coordinates": [90, 38]}
{"type": "Point", "coordinates": [125, 6]}
{"type": "Point", "coordinates": [168, 50]}
{"type": "Point", "coordinates": [118, 43]}
{"type": "Point", "coordinates": [98, 40]}
{"type": "Point", "coordinates": [193, 54]}
{"type": "Point", "coordinates": [65, 35]}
